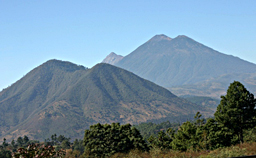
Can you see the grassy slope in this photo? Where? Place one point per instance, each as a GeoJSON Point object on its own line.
{"type": "Point", "coordinates": [245, 149]}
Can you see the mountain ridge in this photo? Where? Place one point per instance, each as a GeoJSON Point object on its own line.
{"type": "Point", "coordinates": [58, 96]}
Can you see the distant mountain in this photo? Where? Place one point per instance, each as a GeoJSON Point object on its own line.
{"type": "Point", "coordinates": [181, 61]}
{"type": "Point", "coordinates": [112, 58]}
{"type": "Point", "coordinates": [64, 98]}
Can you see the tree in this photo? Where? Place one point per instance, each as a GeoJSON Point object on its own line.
{"type": "Point", "coordinates": [105, 140]}
{"type": "Point", "coordinates": [190, 135]}
{"type": "Point", "coordinates": [236, 110]}
{"type": "Point", "coordinates": [78, 145]}
{"type": "Point", "coordinates": [216, 135]}
{"type": "Point", "coordinates": [162, 141]}
{"type": "Point", "coordinates": [20, 141]}
{"type": "Point", "coordinates": [25, 140]}
{"type": "Point", "coordinates": [54, 138]}
{"type": "Point", "coordinates": [77, 148]}
{"type": "Point", "coordinates": [186, 137]}
{"type": "Point", "coordinates": [65, 144]}
{"type": "Point", "coordinates": [13, 144]}
{"type": "Point", "coordinates": [62, 138]}
{"type": "Point", "coordinates": [4, 144]}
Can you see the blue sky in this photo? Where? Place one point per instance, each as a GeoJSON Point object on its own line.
{"type": "Point", "coordinates": [86, 31]}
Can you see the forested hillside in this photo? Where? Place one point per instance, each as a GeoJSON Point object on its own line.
{"type": "Point", "coordinates": [221, 136]}
{"type": "Point", "coordinates": [58, 96]}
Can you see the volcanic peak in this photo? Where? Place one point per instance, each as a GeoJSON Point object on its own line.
{"type": "Point", "coordinates": [160, 37]}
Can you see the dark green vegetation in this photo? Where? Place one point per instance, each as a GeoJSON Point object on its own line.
{"type": "Point", "coordinates": [152, 129]}
{"type": "Point", "coordinates": [58, 96]}
{"type": "Point", "coordinates": [237, 110]}
{"type": "Point", "coordinates": [188, 67]}
{"type": "Point", "coordinates": [234, 120]}
{"type": "Point", "coordinates": [106, 140]}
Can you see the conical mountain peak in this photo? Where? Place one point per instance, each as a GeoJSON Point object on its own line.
{"type": "Point", "coordinates": [112, 58]}
{"type": "Point", "coordinates": [160, 37]}
{"type": "Point", "coordinates": [182, 36]}
{"type": "Point", "coordinates": [185, 38]}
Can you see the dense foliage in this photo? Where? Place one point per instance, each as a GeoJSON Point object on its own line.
{"type": "Point", "coordinates": [235, 114]}
{"type": "Point", "coordinates": [237, 110]}
{"type": "Point", "coordinates": [105, 140]}
{"type": "Point", "coordinates": [148, 129]}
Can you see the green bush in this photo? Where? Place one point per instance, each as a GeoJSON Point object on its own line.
{"type": "Point", "coordinates": [106, 140]}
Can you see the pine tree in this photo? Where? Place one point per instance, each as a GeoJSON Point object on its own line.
{"type": "Point", "coordinates": [216, 135]}
{"type": "Point", "coordinates": [236, 110]}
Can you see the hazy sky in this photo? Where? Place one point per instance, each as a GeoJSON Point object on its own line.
{"type": "Point", "coordinates": [86, 31]}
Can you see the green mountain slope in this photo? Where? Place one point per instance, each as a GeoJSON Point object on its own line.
{"type": "Point", "coordinates": [64, 98]}
{"type": "Point", "coordinates": [35, 92]}
{"type": "Point", "coordinates": [181, 60]}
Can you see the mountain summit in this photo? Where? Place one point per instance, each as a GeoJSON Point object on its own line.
{"type": "Point", "coordinates": [181, 60]}
{"type": "Point", "coordinates": [158, 38]}
{"type": "Point", "coordinates": [112, 58]}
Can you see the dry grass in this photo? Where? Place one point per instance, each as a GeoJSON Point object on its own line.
{"type": "Point", "coordinates": [157, 153]}
{"type": "Point", "coordinates": [250, 148]}
{"type": "Point", "coordinates": [245, 149]}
